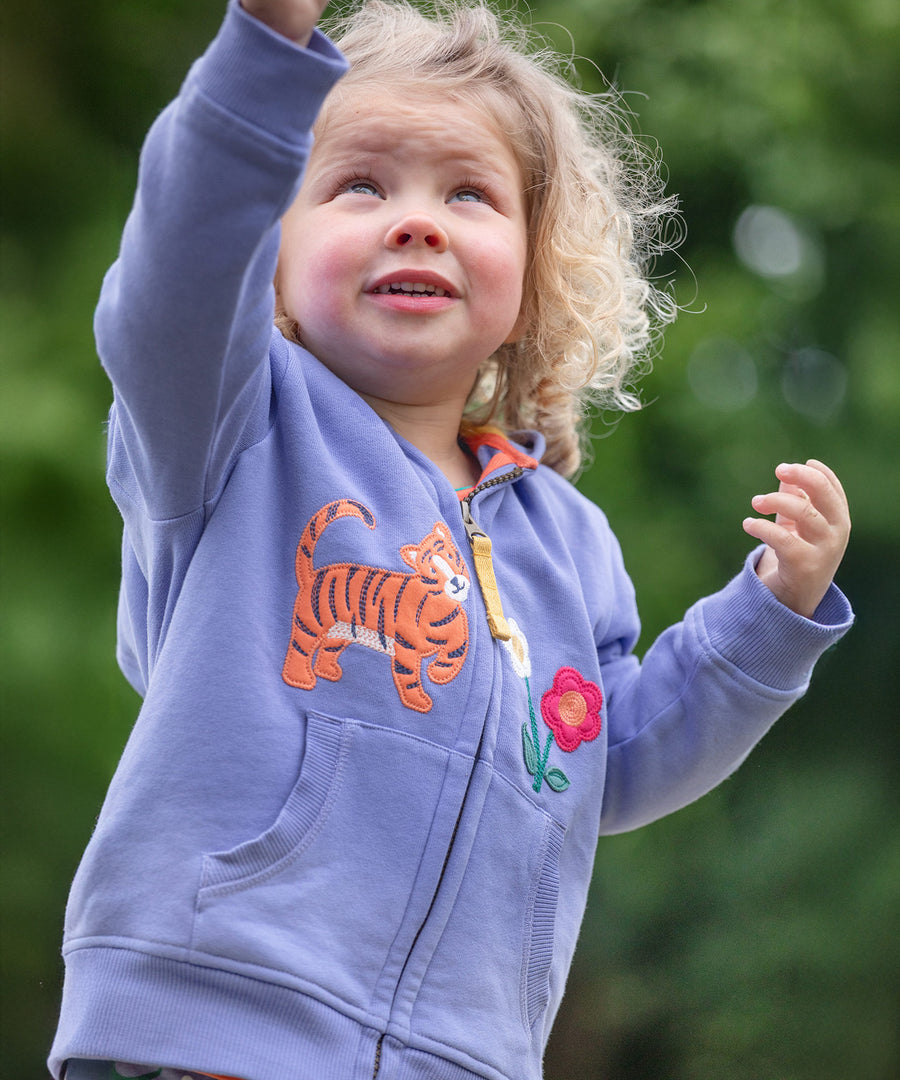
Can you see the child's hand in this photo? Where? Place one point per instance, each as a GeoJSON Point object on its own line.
{"type": "Point", "coordinates": [295, 19]}
{"type": "Point", "coordinates": [807, 539]}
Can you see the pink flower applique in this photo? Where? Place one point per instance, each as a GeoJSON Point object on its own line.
{"type": "Point", "coordinates": [571, 709]}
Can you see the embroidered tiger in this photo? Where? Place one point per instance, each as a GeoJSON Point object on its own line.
{"type": "Point", "coordinates": [408, 617]}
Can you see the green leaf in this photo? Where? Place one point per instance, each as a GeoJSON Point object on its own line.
{"type": "Point", "coordinates": [557, 779]}
{"type": "Point", "coordinates": [531, 762]}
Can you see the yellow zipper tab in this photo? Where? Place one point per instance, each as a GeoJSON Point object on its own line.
{"type": "Point", "coordinates": [484, 567]}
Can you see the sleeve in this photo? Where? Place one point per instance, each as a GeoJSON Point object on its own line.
{"type": "Point", "coordinates": [706, 692]}
{"type": "Point", "coordinates": [184, 319]}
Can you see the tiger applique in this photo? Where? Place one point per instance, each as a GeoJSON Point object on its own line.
{"type": "Point", "coordinates": [408, 617]}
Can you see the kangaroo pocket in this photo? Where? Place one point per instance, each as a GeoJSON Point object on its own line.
{"type": "Point", "coordinates": [489, 980]}
{"type": "Point", "coordinates": [320, 896]}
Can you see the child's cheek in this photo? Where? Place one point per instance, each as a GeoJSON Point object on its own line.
{"type": "Point", "coordinates": [320, 302]}
{"type": "Point", "coordinates": [322, 294]}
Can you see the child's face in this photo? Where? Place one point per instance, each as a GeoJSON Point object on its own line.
{"type": "Point", "coordinates": [403, 256]}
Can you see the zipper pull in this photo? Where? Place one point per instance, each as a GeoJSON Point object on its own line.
{"type": "Point", "coordinates": [480, 543]}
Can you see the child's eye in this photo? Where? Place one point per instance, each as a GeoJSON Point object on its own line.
{"type": "Point", "coordinates": [359, 187]}
{"type": "Point", "coordinates": [469, 194]}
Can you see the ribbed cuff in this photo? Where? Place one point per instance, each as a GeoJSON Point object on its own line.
{"type": "Point", "coordinates": [264, 78]}
{"type": "Point", "coordinates": [749, 628]}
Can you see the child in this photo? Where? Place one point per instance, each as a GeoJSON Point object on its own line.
{"type": "Point", "coordinates": [386, 656]}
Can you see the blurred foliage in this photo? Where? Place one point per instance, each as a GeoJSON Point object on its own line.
{"type": "Point", "coordinates": [754, 934]}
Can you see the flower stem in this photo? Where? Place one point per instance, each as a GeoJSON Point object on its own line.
{"type": "Point", "coordinates": [534, 727]}
{"type": "Point", "coordinates": [542, 764]}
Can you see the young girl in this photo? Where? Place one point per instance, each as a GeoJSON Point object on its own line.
{"type": "Point", "coordinates": [385, 648]}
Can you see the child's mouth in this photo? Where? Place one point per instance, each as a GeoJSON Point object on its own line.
{"type": "Point", "coordinates": [410, 288]}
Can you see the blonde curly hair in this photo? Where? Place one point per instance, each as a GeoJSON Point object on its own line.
{"type": "Point", "coordinates": [595, 207]}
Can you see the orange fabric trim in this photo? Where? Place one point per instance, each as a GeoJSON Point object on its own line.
{"type": "Point", "coordinates": [494, 437]}
{"type": "Point", "coordinates": [507, 454]}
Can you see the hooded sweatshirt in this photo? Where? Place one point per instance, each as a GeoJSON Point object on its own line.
{"type": "Point", "coordinates": [351, 834]}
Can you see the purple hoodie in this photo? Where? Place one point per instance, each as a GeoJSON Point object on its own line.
{"type": "Point", "coordinates": [352, 831]}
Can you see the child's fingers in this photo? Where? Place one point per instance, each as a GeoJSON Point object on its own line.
{"type": "Point", "coordinates": [831, 476]}
{"type": "Point", "coordinates": [790, 506]}
{"type": "Point", "coordinates": [835, 490]}
{"type": "Point", "coordinates": [817, 482]}
{"type": "Point", "coordinates": [794, 514]}
{"type": "Point", "coordinates": [806, 540]}
{"type": "Point", "coordinates": [774, 535]}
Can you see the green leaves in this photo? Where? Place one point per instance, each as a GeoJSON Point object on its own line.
{"type": "Point", "coordinates": [557, 779]}
{"type": "Point", "coordinates": [531, 758]}
{"type": "Point", "coordinates": [536, 763]}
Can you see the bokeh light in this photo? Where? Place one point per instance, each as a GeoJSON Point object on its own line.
{"type": "Point", "coordinates": [722, 374]}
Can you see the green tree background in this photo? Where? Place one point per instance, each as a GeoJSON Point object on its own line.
{"type": "Point", "coordinates": [752, 935]}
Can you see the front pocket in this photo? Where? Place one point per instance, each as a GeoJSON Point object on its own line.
{"type": "Point", "coordinates": [488, 982]}
{"type": "Point", "coordinates": [320, 896]}
{"type": "Point", "coordinates": [327, 743]}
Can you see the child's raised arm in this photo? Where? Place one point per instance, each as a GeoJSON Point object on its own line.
{"type": "Point", "coordinates": [185, 319]}
{"type": "Point", "coordinates": [294, 19]}
{"type": "Point", "coordinates": [807, 539]}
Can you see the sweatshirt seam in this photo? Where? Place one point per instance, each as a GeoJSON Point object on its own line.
{"type": "Point", "coordinates": [292, 152]}
{"type": "Point", "coordinates": [175, 519]}
{"type": "Point", "coordinates": [757, 608]}
{"type": "Point", "coordinates": [221, 123]}
{"type": "Point", "coordinates": [731, 669]}
{"type": "Point", "coordinates": [215, 962]}
{"type": "Point", "coordinates": [706, 657]}
{"type": "Point", "coordinates": [526, 796]}
{"type": "Point", "coordinates": [220, 964]}
{"type": "Point", "coordinates": [425, 1042]}
{"type": "Point", "coordinates": [279, 64]}
{"type": "Point", "coordinates": [209, 501]}
{"type": "Point", "coordinates": [210, 498]}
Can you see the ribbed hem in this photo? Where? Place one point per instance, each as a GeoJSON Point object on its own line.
{"type": "Point", "coordinates": [123, 1005]}
{"type": "Point", "coordinates": [399, 1062]}
{"type": "Point", "coordinates": [269, 81]}
{"type": "Point", "coordinates": [749, 628]}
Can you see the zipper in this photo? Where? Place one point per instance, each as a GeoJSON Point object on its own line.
{"type": "Point", "coordinates": [377, 1057]}
{"type": "Point", "coordinates": [480, 543]}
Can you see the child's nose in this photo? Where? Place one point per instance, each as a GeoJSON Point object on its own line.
{"type": "Point", "coordinates": [417, 230]}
